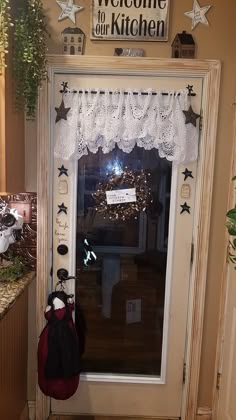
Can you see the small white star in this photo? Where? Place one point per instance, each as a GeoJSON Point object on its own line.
{"type": "Point", "coordinates": [198, 14]}
{"type": "Point", "coordinates": [68, 10]}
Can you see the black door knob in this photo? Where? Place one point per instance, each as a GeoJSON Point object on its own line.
{"type": "Point", "coordinates": [62, 249]}
{"type": "Point", "coordinates": [62, 274]}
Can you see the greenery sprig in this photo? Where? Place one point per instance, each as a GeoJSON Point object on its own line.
{"type": "Point", "coordinates": [12, 270]}
{"type": "Point", "coordinates": [5, 23]}
{"type": "Point", "coordinates": [29, 55]}
{"type": "Point", "coordinates": [231, 226]}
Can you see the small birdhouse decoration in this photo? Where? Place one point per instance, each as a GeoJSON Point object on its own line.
{"type": "Point", "coordinates": [73, 41]}
{"type": "Point", "coordinates": [183, 46]}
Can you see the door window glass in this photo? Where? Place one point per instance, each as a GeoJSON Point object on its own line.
{"type": "Point", "coordinates": [122, 294]}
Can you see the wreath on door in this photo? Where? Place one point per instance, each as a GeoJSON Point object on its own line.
{"type": "Point", "coordinates": [137, 180]}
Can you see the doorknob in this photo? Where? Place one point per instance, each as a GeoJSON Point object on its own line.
{"type": "Point", "coordinates": [63, 275]}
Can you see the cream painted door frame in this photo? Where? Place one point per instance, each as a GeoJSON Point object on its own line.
{"type": "Point", "coordinates": [223, 397]}
{"type": "Point", "coordinates": [210, 72]}
{"type": "Point", "coordinates": [143, 395]}
{"type": "Point", "coordinates": [226, 409]}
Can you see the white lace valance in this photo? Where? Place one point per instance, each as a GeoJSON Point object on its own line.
{"type": "Point", "coordinates": [106, 119]}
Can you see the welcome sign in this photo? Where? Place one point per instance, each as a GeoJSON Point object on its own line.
{"type": "Point", "coordinates": [137, 20]}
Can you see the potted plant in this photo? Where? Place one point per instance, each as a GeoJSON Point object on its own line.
{"type": "Point", "coordinates": [5, 23]}
{"type": "Point", "coordinates": [231, 226]}
{"type": "Point", "coordinates": [29, 55]}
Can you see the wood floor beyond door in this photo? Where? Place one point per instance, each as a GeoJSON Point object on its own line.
{"type": "Point", "coordinates": [60, 417]}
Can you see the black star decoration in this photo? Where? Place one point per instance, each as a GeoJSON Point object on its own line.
{"type": "Point", "coordinates": [62, 208]}
{"type": "Point", "coordinates": [61, 112]}
{"type": "Point", "coordinates": [191, 117]}
{"type": "Point", "coordinates": [185, 207]}
{"type": "Point", "coordinates": [62, 171]}
{"type": "Point", "coordinates": [187, 174]}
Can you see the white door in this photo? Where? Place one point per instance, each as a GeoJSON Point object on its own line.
{"type": "Point", "coordinates": [227, 403]}
{"type": "Point", "coordinates": [140, 374]}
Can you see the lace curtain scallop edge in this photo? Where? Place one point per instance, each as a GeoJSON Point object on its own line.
{"type": "Point", "coordinates": [105, 118]}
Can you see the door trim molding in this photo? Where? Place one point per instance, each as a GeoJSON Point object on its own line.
{"type": "Point", "coordinates": [204, 413]}
{"type": "Point", "coordinates": [43, 225]}
{"type": "Point", "coordinates": [223, 293]}
{"type": "Point", "coordinates": [209, 70]}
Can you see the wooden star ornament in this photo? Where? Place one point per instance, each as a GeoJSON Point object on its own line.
{"type": "Point", "coordinates": [198, 14]}
{"type": "Point", "coordinates": [62, 208]}
{"type": "Point", "coordinates": [191, 116]}
{"type": "Point", "coordinates": [63, 171]}
{"type": "Point", "coordinates": [187, 174]}
{"type": "Point", "coordinates": [62, 112]}
{"type": "Point", "coordinates": [185, 208]}
{"type": "Point", "coordinates": [68, 10]}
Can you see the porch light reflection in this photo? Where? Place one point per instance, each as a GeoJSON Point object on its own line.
{"type": "Point", "coordinates": [115, 167]}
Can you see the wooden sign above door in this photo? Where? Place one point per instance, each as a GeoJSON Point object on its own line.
{"type": "Point", "coordinates": [138, 20]}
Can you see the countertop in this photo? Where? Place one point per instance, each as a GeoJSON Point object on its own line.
{"type": "Point", "coordinates": [10, 291]}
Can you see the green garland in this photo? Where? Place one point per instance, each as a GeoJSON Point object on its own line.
{"type": "Point", "coordinates": [5, 23]}
{"type": "Point", "coordinates": [29, 55]}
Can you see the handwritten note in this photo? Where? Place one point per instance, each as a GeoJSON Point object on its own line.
{"type": "Point", "coordinates": [62, 225]}
{"type": "Point", "coordinates": [127, 195]}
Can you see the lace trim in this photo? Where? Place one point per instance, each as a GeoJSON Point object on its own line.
{"type": "Point", "coordinates": [106, 120]}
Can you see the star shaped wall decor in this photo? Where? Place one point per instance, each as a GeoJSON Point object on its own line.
{"type": "Point", "coordinates": [68, 10]}
{"type": "Point", "coordinates": [187, 174]}
{"type": "Point", "coordinates": [62, 171]}
{"type": "Point", "coordinates": [185, 207]}
{"type": "Point", "coordinates": [198, 14]}
{"type": "Point", "coordinates": [191, 117]}
{"type": "Point", "coordinates": [61, 112]}
{"type": "Point", "coordinates": [62, 208]}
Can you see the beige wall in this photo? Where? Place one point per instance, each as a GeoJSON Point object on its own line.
{"type": "Point", "coordinates": [30, 156]}
{"type": "Point", "coordinates": [214, 42]}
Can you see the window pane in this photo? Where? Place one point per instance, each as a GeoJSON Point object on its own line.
{"type": "Point", "coordinates": [122, 294]}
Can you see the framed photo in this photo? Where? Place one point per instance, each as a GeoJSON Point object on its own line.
{"type": "Point", "coordinates": [24, 208]}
